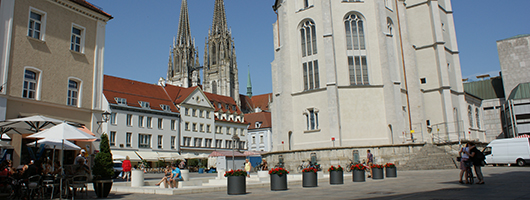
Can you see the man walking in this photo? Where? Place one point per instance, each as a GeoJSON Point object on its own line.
{"type": "Point", "coordinates": [370, 161]}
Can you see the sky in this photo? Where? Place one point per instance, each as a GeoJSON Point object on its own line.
{"type": "Point", "coordinates": [138, 38]}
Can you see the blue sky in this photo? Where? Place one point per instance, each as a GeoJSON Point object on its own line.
{"type": "Point", "coordinates": [139, 36]}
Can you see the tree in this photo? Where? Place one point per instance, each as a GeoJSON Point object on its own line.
{"type": "Point", "coordinates": [103, 166]}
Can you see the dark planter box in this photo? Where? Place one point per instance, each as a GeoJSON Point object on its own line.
{"type": "Point", "coordinates": [358, 176]}
{"type": "Point", "coordinates": [236, 185]}
{"type": "Point", "coordinates": [102, 188]}
{"type": "Point", "coordinates": [377, 173]}
{"type": "Point", "coordinates": [309, 179]}
{"type": "Point", "coordinates": [278, 182]}
{"type": "Point", "coordinates": [391, 172]}
{"type": "Point", "coordinates": [336, 177]}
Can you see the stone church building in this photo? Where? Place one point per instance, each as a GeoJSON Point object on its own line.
{"type": "Point", "coordinates": [365, 72]}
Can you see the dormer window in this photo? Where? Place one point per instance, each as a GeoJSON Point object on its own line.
{"type": "Point", "coordinates": [120, 101]}
{"type": "Point", "coordinates": [226, 106]}
{"type": "Point", "coordinates": [165, 107]}
{"type": "Point", "coordinates": [258, 124]}
{"type": "Point", "coordinates": [234, 108]}
{"type": "Point", "coordinates": [219, 105]}
{"type": "Point", "coordinates": [144, 104]}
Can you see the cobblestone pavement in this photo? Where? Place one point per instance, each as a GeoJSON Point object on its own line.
{"type": "Point", "coordinates": [501, 183]}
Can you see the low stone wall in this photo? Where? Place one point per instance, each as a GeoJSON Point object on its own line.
{"type": "Point", "coordinates": [399, 154]}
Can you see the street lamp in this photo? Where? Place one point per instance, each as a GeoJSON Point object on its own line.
{"type": "Point", "coordinates": [104, 119]}
{"type": "Point", "coordinates": [235, 140]}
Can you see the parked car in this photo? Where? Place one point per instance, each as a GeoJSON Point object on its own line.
{"type": "Point", "coordinates": [508, 151]}
{"type": "Point", "coordinates": [117, 168]}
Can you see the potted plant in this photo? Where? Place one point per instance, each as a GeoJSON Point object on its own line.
{"type": "Point", "coordinates": [236, 181]}
{"type": "Point", "coordinates": [336, 175]}
{"type": "Point", "coordinates": [358, 171]}
{"type": "Point", "coordinates": [309, 177]}
{"type": "Point", "coordinates": [377, 171]}
{"type": "Point", "coordinates": [278, 178]}
{"type": "Point", "coordinates": [390, 170]}
{"type": "Point", "coordinates": [103, 169]}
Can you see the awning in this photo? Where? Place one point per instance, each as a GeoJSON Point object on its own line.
{"type": "Point", "coordinates": [226, 153]}
{"type": "Point", "coordinates": [121, 154]}
{"type": "Point", "coordinates": [169, 156]}
{"type": "Point", "coordinates": [148, 155]}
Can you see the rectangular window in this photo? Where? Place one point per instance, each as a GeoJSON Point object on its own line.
{"type": "Point", "coordinates": [201, 114]}
{"type": "Point", "coordinates": [311, 75]}
{"type": "Point", "coordinates": [30, 85]}
{"type": "Point", "coordinates": [173, 127]}
{"type": "Point", "coordinates": [187, 111]}
{"type": "Point", "coordinates": [165, 107]}
{"type": "Point", "coordinates": [73, 90]}
{"type": "Point", "coordinates": [144, 104]}
{"type": "Point", "coordinates": [128, 139]}
{"type": "Point", "coordinates": [208, 143]}
{"type": "Point", "coordinates": [201, 127]}
{"type": "Point", "coordinates": [186, 141]}
{"type": "Point", "coordinates": [129, 120]}
{"type": "Point", "coordinates": [77, 39]}
{"type": "Point", "coordinates": [218, 143]}
{"type": "Point", "coordinates": [36, 25]}
{"type": "Point", "coordinates": [253, 139]}
{"type": "Point", "coordinates": [208, 114]}
{"type": "Point", "coordinates": [197, 142]}
{"type": "Point", "coordinates": [160, 121]}
{"type": "Point", "coordinates": [242, 132]}
{"type": "Point", "coordinates": [187, 126]}
{"type": "Point", "coordinates": [173, 138]}
{"type": "Point", "coordinates": [208, 128]}
{"type": "Point", "coordinates": [193, 112]}
{"type": "Point", "coordinates": [149, 122]}
{"type": "Point", "coordinates": [229, 130]}
{"type": "Point", "coordinates": [160, 141]}
{"type": "Point", "coordinates": [140, 121]}
{"type": "Point", "coordinates": [144, 141]}
{"type": "Point", "coordinates": [113, 120]}
{"type": "Point", "coordinates": [228, 144]}
{"type": "Point", "coordinates": [112, 138]}
{"type": "Point", "coordinates": [194, 127]}
{"type": "Point", "coordinates": [261, 139]}
{"type": "Point", "coordinates": [358, 70]}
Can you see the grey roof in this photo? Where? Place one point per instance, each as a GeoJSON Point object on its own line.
{"type": "Point", "coordinates": [486, 89]}
{"type": "Point", "coordinates": [522, 91]}
{"type": "Point", "coordinates": [514, 37]}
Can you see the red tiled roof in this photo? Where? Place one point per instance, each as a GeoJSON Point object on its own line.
{"type": "Point", "coordinates": [215, 99]}
{"type": "Point", "coordinates": [263, 117]}
{"type": "Point", "coordinates": [91, 6]}
{"type": "Point", "coordinates": [135, 91]}
{"type": "Point", "coordinates": [262, 101]}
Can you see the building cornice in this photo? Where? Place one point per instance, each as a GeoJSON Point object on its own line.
{"type": "Point", "coordinates": [143, 110]}
{"type": "Point", "coordinates": [83, 10]}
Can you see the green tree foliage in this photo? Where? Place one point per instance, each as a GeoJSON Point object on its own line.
{"type": "Point", "coordinates": [103, 166]}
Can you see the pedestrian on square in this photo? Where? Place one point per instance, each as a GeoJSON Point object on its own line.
{"type": "Point", "coordinates": [477, 158]}
{"type": "Point", "coordinates": [248, 166]}
{"type": "Point", "coordinates": [126, 165]}
{"type": "Point", "coordinates": [464, 162]}
{"type": "Point", "coordinates": [175, 176]}
{"type": "Point", "coordinates": [182, 164]}
{"type": "Point", "coordinates": [370, 161]}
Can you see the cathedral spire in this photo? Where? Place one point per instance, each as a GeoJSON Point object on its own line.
{"type": "Point", "coordinates": [249, 86]}
{"type": "Point", "coordinates": [184, 33]}
{"type": "Point", "coordinates": [219, 18]}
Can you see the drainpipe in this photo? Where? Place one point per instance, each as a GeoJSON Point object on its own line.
{"type": "Point", "coordinates": [403, 62]}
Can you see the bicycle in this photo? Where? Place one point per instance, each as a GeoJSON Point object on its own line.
{"type": "Point", "coordinates": [350, 164]}
{"type": "Point", "coordinates": [303, 166]}
{"type": "Point", "coordinates": [470, 179]}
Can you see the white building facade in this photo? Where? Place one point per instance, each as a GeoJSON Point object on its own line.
{"type": "Point", "coordinates": [365, 73]}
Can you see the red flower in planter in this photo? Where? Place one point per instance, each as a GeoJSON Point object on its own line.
{"type": "Point", "coordinates": [333, 168]}
{"type": "Point", "coordinates": [358, 167]}
{"type": "Point", "coordinates": [390, 165]}
{"type": "Point", "coordinates": [280, 171]}
{"type": "Point", "coordinates": [310, 169]}
{"type": "Point", "coordinates": [377, 166]}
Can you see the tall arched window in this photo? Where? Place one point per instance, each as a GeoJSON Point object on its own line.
{"type": "Point", "coordinates": [477, 117]}
{"type": "Point", "coordinates": [214, 54]}
{"type": "Point", "coordinates": [356, 49]}
{"type": "Point", "coordinates": [309, 51]}
{"type": "Point", "coordinates": [214, 87]}
{"type": "Point", "coordinates": [470, 115]}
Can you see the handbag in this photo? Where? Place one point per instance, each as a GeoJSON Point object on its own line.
{"type": "Point", "coordinates": [458, 158]}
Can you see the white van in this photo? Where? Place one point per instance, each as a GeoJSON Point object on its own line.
{"type": "Point", "coordinates": [508, 151]}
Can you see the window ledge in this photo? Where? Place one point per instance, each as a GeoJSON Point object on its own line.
{"type": "Point", "coordinates": [75, 52]}
{"type": "Point", "coordinates": [36, 40]}
{"type": "Point", "coordinates": [306, 8]}
{"type": "Point", "coordinates": [312, 131]}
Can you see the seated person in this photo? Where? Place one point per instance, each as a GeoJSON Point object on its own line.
{"type": "Point", "coordinates": [166, 177]}
{"type": "Point", "coordinates": [175, 176]}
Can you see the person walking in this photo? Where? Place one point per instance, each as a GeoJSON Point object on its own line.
{"type": "Point", "coordinates": [477, 158]}
{"type": "Point", "coordinates": [248, 166]}
{"type": "Point", "coordinates": [126, 165]}
{"type": "Point", "coordinates": [464, 157]}
{"type": "Point", "coordinates": [370, 161]}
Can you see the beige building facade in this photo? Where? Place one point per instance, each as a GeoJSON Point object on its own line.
{"type": "Point", "coordinates": [349, 73]}
{"type": "Point", "coordinates": [52, 61]}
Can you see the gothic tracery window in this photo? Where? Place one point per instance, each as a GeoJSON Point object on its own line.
{"type": "Point", "coordinates": [470, 115]}
{"type": "Point", "coordinates": [356, 49]}
{"type": "Point", "coordinates": [309, 59]}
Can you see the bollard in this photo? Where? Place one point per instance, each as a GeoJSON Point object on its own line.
{"type": "Point", "coordinates": [185, 173]}
{"type": "Point", "coordinates": [220, 174]}
{"type": "Point", "coordinates": [137, 178]}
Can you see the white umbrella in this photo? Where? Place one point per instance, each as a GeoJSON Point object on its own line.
{"type": "Point", "coordinates": [32, 124]}
{"type": "Point", "coordinates": [62, 132]}
{"type": "Point", "coordinates": [56, 144]}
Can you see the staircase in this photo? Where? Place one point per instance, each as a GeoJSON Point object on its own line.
{"type": "Point", "coordinates": [430, 157]}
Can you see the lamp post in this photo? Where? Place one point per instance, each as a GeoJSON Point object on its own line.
{"type": "Point", "coordinates": [235, 139]}
{"type": "Point", "coordinates": [104, 119]}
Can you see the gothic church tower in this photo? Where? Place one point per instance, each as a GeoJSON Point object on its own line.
{"type": "Point", "coordinates": [183, 66]}
{"type": "Point", "coordinates": [220, 67]}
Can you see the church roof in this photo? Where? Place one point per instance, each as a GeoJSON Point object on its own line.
{"type": "Point", "coordinates": [263, 117]}
{"type": "Point", "coordinates": [522, 91]}
{"type": "Point", "coordinates": [486, 89]}
{"type": "Point", "coordinates": [135, 91]}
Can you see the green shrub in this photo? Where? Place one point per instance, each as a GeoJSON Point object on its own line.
{"type": "Point", "coordinates": [103, 166]}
